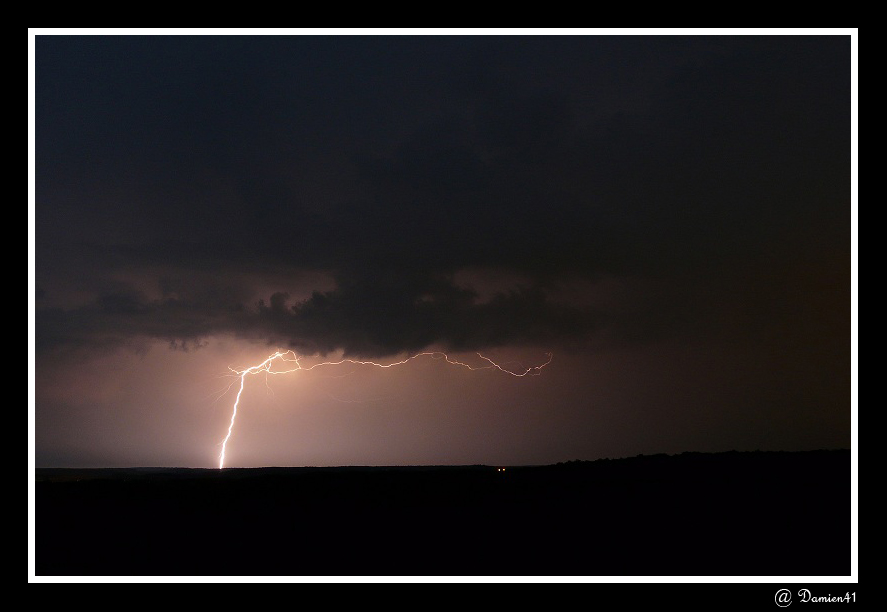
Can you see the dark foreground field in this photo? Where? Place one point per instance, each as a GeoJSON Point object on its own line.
{"type": "Point", "coordinates": [726, 514]}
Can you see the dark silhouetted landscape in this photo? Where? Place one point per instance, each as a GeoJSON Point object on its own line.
{"type": "Point", "coordinates": [693, 514]}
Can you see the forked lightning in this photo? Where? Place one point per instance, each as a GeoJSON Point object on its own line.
{"type": "Point", "coordinates": [290, 357]}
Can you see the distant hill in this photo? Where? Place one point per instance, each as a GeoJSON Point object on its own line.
{"type": "Point", "coordinates": [693, 514]}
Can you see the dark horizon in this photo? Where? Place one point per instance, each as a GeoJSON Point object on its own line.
{"type": "Point", "coordinates": [694, 514]}
{"type": "Point", "coordinates": [666, 215]}
{"type": "Point", "coordinates": [43, 470]}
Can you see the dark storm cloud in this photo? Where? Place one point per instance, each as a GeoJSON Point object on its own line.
{"type": "Point", "coordinates": [393, 163]}
{"type": "Point", "coordinates": [383, 320]}
{"type": "Point", "coordinates": [378, 319]}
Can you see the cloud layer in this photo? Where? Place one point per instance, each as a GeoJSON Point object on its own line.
{"type": "Point", "coordinates": [172, 172]}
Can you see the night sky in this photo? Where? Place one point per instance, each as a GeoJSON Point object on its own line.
{"type": "Point", "coordinates": [669, 216]}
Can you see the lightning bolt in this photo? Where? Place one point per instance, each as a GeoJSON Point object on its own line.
{"type": "Point", "coordinates": [290, 357]}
